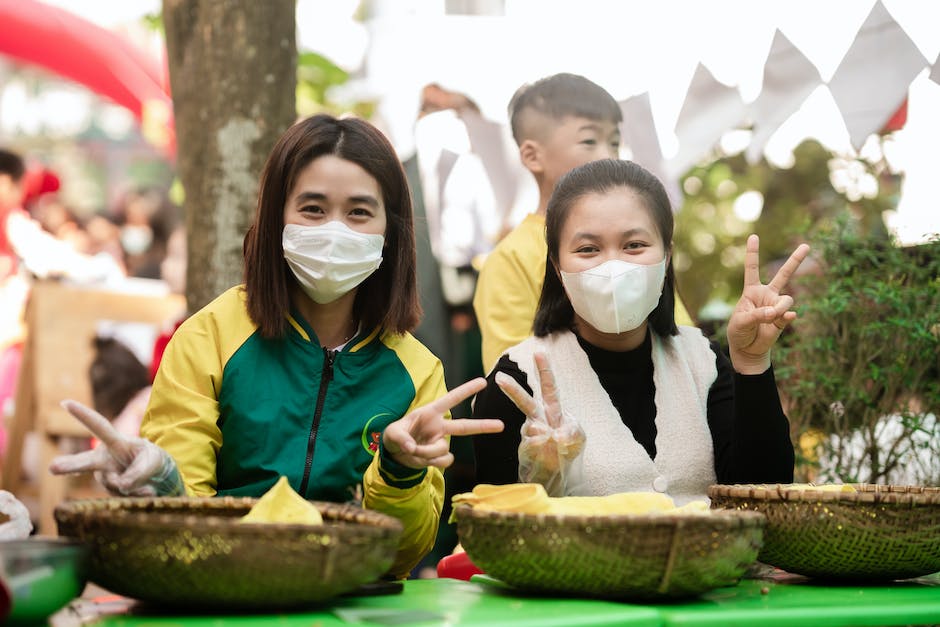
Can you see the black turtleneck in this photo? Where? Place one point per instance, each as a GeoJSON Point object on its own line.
{"type": "Point", "coordinates": [750, 433]}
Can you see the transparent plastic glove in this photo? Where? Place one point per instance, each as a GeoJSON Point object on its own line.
{"type": "Point", "coordinates": [18, 526]}
{"type": "Point", "coordinates": [552, 440]}
{"type": "Point", "coordinates": [125, 466]}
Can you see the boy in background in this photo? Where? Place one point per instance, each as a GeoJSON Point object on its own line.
{"type": "Point", "coordinates": [559, 123]}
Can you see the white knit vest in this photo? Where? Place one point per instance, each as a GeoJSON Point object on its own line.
{"type": "Point", "coordinates": [612, 460]}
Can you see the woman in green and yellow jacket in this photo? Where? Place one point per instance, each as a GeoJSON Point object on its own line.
{"type": "Point", "coordinates": [308, 370]}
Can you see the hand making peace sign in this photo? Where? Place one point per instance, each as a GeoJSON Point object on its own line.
{"type": "Point", "coordinates": [762, 312]}
{"type": "Point", "coordinates": [419, 439]}
{"type": "Point", "coordinates": [125, 466]}
{"type": "Point", "coordinates": [551, 439]}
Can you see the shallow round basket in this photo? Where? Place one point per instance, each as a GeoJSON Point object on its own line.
{"type": "Point", "coordinates": [642, 557]}
{"type": "Point", "coordinates": [194, 552]}
{"type": "Point", "coordinates": [877, 533]}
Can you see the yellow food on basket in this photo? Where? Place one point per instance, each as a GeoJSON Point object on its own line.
{"type": "Point", "coordinates": [531, 498]}
{"type": "Point", "coordinates": [823, 487]}
{"type": "Point", "coordinates": [621, 503]}
{"type": "Point", "coordinates": [281, 504]}
{"type": "Point", "coordinates": [693, 507]}
{"type": "Point", "coordinates": [527, 498]}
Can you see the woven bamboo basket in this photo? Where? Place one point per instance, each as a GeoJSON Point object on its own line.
{"type": "Point", "coordinates": [877, 533]}
{"type": "Point", "coordinates": [639, 557]}
{"type": "Point", "coordinates": [193, 552]}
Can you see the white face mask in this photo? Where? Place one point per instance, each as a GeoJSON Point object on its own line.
{"type": "Point", "coordinates": [136, 239]}
{"type": "Point", "coordinates": [615, 296]}
{"type": "Point", "coordinates": [331, 259]}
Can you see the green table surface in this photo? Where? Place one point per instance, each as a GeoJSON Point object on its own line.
{"type": "Point", "coordinates": [769, 604]}
{"type": "Point", "coordinates": [487, 602]}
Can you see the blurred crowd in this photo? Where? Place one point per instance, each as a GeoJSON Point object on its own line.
{"type": "Point", "coordinates": [140, 236]}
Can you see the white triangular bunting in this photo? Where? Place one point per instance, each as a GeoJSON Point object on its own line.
{"type": "Point", "coordinates": [494, 144]}
{"type": "Point", "coordinates": [789, 78]}
{"type": "Point", "coordinates": [710, 109]}
{"type": "Point", "coordinates": [935, 71]}
{"type": "Point", "coordinates": [639, 134]}
{"type": "Point", "coordinates": [872, 80]}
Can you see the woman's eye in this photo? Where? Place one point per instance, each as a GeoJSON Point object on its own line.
{"type": "Point", "coordinates": [589, 142]}
{"type": "Point", "coordinates": [634, 245]}
{"type": "Point", "coordinates": [311, 209]}
{"type": "Point", "coordinates": [360, 212]}
{"type": "Point", "coordinates": [586, 249]}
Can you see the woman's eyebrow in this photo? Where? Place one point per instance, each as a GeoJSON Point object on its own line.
{"type": "Point", "coordinates": [366, 199]}
{"type": "Point", "coordinates": [305, 196]}
{"type": "Point", "coordinates": [639, 231]}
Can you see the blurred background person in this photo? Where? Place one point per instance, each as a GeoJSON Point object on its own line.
{"type": "Point", "coordinates": [146, 218]}
{"type": "Point", "coordinates": [462, 223]}
{"type": "Point", "coordinates": [120, 385]}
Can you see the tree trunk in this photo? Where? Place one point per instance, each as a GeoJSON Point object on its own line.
{"type": "Point", "coordinates": [233, 74]}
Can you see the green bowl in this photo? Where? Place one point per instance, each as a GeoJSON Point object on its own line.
{"type": "Point", "coordinates": [42, 575]}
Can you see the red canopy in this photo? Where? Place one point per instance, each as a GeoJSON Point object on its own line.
{"type": "Point", "coordinates": [79, 50]}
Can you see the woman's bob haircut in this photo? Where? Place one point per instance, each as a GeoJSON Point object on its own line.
{"type": "Point", "coordinates": [388, 298]}
{"type": "Point", "coordinates": [555, 311]}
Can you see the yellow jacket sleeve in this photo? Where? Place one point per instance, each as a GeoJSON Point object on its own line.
{"type": "Point", "coordinates": [418, 507]}
{"type": "Point", "coordinates": [508, 289]}
{"type": "Point", "coordinates": [682, 315]}
{"type": "Point", "coordinates": [183, 412]}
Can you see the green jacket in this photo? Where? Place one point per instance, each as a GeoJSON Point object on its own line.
{"type": "Point", "coordinates": [237, 411]}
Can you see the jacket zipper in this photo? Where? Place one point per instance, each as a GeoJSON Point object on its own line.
{"type": "Point", "coordinates": [325, 378]}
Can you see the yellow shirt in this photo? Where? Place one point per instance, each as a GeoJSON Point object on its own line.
{"type": "Point", "coordinates": [509, 287]}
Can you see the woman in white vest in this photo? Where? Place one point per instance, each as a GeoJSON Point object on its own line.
{"type": "Point", "coordinates": [609, 395]}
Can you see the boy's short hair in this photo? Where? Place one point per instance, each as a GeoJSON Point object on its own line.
{"type": "Point", "coordinates": [560, 95]}
{"type": "Point", "coordinates": [12, 165]}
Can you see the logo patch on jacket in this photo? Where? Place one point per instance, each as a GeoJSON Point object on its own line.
{"type": "Point", "coordinates": [371, 437]}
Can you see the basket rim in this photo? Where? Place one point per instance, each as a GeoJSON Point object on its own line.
{"type": "Point", "coordinates": [172, 511]}
{"type": "Point", "coordinates": [866, 494]}
{"type": "Point", "coordinates": [718, 516]}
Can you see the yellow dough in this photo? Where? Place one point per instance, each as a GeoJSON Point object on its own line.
{"type": "Point", "coordinates": [527, 498]}
{"type": "Point", "coordinates": [281, 504]}
{"type": "Point", "coordinates": [531, 498]}
{"type": "Point", "coordinates": [824, 487]}
{"type": "Point", "coordinates": [621, 503]}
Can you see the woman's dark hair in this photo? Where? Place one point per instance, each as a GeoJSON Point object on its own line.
{"type": "Point", "coordinates": [555, 311]}
{"type": "Point", "coordinates": [388, 298]}
{"type": "Point", "coordinates": [116, 375]}
{"type": "Point", "coordinates": [12, 165]}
